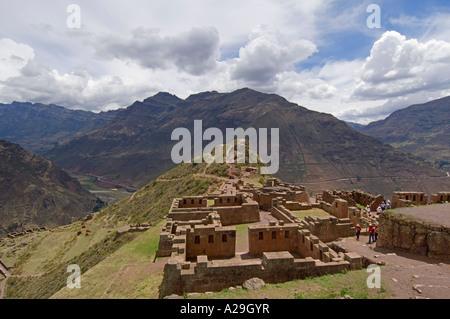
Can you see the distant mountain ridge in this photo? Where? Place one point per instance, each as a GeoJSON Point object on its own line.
{"type": "Point", "coordinates": [421, 129]}
{"type": "Point", "coordinates": [316, 149]}
{"type": "Point", "coordinates": [39, 127]}
{"type": "Point", "coordinates": [356, 126]}
{"type": "Point", "coordinates": [34, 192]}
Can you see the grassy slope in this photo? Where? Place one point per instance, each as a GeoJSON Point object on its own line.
{"type": "Point", "coordinates": [105, 280]}
{"type": "Point", "coordinates": [352, 283]}
{"type": "Point", "coordinates": [41, 264]}
{"type": "Point", "coordinates": [131, 273]}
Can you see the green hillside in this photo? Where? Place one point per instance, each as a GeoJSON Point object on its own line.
{"type": "Point", "coordinates": [41, 259]}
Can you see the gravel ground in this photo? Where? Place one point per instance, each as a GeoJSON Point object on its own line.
{"type": "Point", "coordinates": [435, 214]}
{"type": "Point", "coordinates": [405, 275]}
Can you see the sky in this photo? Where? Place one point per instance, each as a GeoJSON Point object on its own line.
{"type": "Point", "coordinates": [330, 56]}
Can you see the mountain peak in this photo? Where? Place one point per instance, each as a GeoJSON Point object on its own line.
{"type": "Point", "coordinates": [164, 97]}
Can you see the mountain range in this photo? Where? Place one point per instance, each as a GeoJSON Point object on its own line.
{"type": "Point", "coordinates": [35, 193]}
{"type": "Point", "coordinates": [316, 149]}
{"type": "Point", "coordinates": [40, 127]}
{"type": "Point", "coordinates": [421, 129]}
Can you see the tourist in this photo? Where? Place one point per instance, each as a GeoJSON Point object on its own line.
{"type": "Point", "coordinates": [371, 234]}
{"type": "Point", "coordinates": [383, 206]}
{"type": "Point", "coordinates": [376, 232]}
{"type": "Point", "coordinates": [379, 210]}
{"type": "Point", "coordinates": [358, 231]}
{"type": "Point", "coordinates": [364, 214]}
{"type": "Point", "coordinates": [388, 204]}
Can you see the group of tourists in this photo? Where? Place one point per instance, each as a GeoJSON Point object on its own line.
{"type": "Point", "coordinates": [381, 208]}
{"type": "Point", "coordinates": [373, 232]}
{"type": "Point", "coordinates": [372, 220]}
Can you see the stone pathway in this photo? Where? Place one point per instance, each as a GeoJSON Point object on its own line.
{"type": "Point", "coordinates": [406, 275]}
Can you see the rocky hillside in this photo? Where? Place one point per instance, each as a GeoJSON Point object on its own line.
{"type": "Point", "coordinates": [40, 127]}
{"type": "Point", "coordinates": [423, 130]}
{"type": "Point", "coordinates": [35, 192]}
{"type": "Point", "coordinates": [316, 149]}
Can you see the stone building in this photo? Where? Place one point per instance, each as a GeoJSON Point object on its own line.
{"type": "Point", "coordinates": [441, 197]}
{"type": "Point", "coordinates": [200, 239]}
{"type": "Point", "coordinates": [405, 199]}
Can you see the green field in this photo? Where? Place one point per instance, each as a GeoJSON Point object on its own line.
{"type": "Point", "coordinates": [310, 212]}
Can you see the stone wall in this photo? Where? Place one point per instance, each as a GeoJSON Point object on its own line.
{"type": "Point", "coordinates": [405, 199]}
{"type": "Point", "coordinates": [328, 229]}
{"type": "Point", "coordinates": [440, 197]}
{"type": "Point", "coordinates": [268, 238]}
{"type": "Point", "coordinates": [354, 214]}
{"type": "Point", "coordinates": [340, 208]}
{"type": "Point", "coordinates": [228, 200]}
{"type": "Point", "coordinates": [295, 194]}
{"type": "Point", "coordinates": [365, 199]}
{"type": "Point", "coordinates": [352, 197]}
{"type": "Point", "coordinates": [414, 236]}
{"type": "Point", "coordinates": [235, 215]}
{"type": "Point", "coordinates": [273, 267]}
{"type": "Point", "coordinates": [214, 242]}
{"type": "Point", "coordinates": [281, 213]}
{"type": "Point", "coordinates": [192, 201]}
{"type": "Point", "coordinates": [248, 212]}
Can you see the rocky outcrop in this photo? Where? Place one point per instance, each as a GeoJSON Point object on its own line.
{"type": "Point", "coordinates": [416, 236]}
{"type": "Point", "coordinates": [254, 284]}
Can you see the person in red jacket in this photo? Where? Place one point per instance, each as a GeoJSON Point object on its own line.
{"type": "Point", "coordinates": [358, 231]}
{"type": "Point", "coordinates": [371, 234]}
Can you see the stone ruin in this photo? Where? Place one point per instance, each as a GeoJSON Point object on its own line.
{"type": "Point", "coordinates": [27, 231]}
{"type": "Point", "coordinates": [200, 239]}
{"type": "Point", "coordinates": [441, 197]}
{"type": "Point", "coordinates": [296, 196]}
{"type": "Point", "coordinates": [200, 235]}
{"type": "Point", "coordinates": [405, 199]}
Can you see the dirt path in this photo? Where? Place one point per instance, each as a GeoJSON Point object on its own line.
{"type": "Point", "coordinates": [406, 275]}
{"type": "Point", "coordinates": [364, 178]}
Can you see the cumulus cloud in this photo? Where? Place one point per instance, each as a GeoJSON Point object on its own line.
{"type": "Point", "coordinates": [268, 54]}
{"type": "Point", "coordinates": [303, 86]}
{"type": "Point", "coordinates": [194, 52]}
{"type": "Point", "coordinates": [25, 79]}
{"type": "Point", "coordinates": [384, 108]}
{"type": "Point", "coordinates": [13, 57]}
{"type": "Point", "coordinates": [398, 66]}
